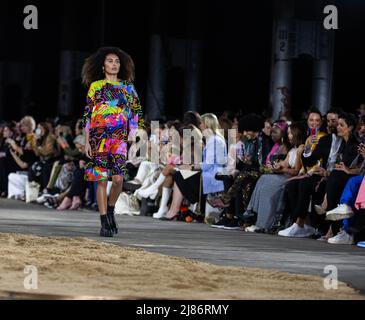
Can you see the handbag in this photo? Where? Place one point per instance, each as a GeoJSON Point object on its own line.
{"type": "Point", "coordinates": [127, 204]}
{"type": "Point", "coordinates": [31, 191]}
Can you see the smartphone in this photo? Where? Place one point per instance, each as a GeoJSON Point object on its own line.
{"type": "Point", "coordinates": [314, 131]}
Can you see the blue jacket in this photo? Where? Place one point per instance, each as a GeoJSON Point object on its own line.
{"type": "Point", "coordinates": [214, 159]}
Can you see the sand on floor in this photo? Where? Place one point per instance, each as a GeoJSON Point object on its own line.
{"type": "Point", "coordinates": [82, 268]}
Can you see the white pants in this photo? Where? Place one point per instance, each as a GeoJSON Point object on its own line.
{"type": "Point", "coordinates": [16, 185]}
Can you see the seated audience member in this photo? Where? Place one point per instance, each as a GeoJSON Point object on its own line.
{"type": "Point", "coordinates": [74, 196]}
{"type": "Point", "coordinates": [17, 180]}
{"type": "Point", "coordinates": [256, 150]}
{"type": "Point", "coordinates": [267, 199]}
{"type": "Point", "coordinates": [298, 190]}
{"type": "Point", "coordinates": [343, 182]}
{"type": "Point", "coordinates": [214, 159]}
{"type": "Point", "coordinates": [165, 179]}
{"type": "Point", "coordinates": [7, 161]}
{"type": "Point", "coordinates": [360, 132]}
{"type": "Point", "coordinates": [44, 146]}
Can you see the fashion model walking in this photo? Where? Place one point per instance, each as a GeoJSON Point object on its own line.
{"type": "Point", "coordinates": [113, 114]}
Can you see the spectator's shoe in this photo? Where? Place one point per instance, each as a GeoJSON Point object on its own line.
{"type": "Point", "coordinates": [51, 202]}
{"type": "Point", "coordinates": [131, 186]}
{"type": "Point", "coordinates": [135, 181]}
{"type": "Point", "coordinates": [319, 209]}
{"type": "Point", "coordinates": [343, 211]}
{"type": "Point", "coordinates": [218, 203]}
{"type": "Point", "coordinates": [253, 228]}
{"type": "Point", "coordinates": [361, 244]}
{"type": "Point", "coordinates": [161, 213]}
{"type": "Point", "coordinates": [221, 177]}
{"type": "Point", "coordinates": [342, 238]}
{"type": "Point", "coordinates": [43, 198]}
{"type": "Point", "coordinates": [297, 232]}
{"type": "Point", "coordinates": [106, 229]}
{"type": "Point", "coordinates": [112, 221]}
{"type": "Point", "coordinates": [232, 225]}
{"type": "Point", "coordinates": [310, 230]}
{"type": "Point", "coordinates": [220, 223]}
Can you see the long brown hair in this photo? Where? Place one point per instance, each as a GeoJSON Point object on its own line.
{"type": "Point", "coordinates": [93, 66]}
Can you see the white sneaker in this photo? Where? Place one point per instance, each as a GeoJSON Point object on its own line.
{"type": "Point", "coordinates": [343, 211]}
{"type": "Point", "coordinates": [310, 230]}
{"type": "Point", "coordinates": [135, 181]}
{"type": "Point", "coordinates": [296, 232]}
{"type": "Point", "coordinates": [43, 198]}
{"type": "Point", "coordinates": [342, 238]}
{"type": "Point", "coordinates": [252, 228]}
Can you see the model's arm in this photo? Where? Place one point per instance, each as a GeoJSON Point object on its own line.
{"type": "Point", "coordinates": [87, 118]}
{"type": "Point", "coordinates": [136, 120]}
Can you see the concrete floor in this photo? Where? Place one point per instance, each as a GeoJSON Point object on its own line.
{"type": "Point", "coordinates": [194, 241]}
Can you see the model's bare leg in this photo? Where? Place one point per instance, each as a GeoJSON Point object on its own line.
{"type": "Point", "coordinates": [102, 197]}
{"type": "Point", "coordinates": [115, 190]}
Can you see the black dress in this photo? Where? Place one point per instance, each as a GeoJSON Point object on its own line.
{"type": "Point", "coordinates": [191, 187]}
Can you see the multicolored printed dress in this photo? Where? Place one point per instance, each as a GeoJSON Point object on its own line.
{"type": "Point", "coordinates": [113, 112]}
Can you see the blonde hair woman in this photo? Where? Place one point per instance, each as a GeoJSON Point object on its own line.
{"type": "Point", "coordinates": [210, 125]}
{"type": "Point", "coordinates": [27, 126]}
{"type": "Point", "coordinates": [214, 159]}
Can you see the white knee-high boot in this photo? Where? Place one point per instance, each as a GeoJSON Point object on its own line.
{"type": "Point", "coordinates": [141, 173]}
{"type": "Point", "coordinates": [166, 193]}
{"type": "Point", "coordinates": [152, 190]}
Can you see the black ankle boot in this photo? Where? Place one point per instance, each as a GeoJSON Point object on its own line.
{"type": "Point", "coordinates": [106, 229]}
{"type": "Point", "coordinates": [111, 217]}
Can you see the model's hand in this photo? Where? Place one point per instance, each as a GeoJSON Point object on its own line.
{"type": "Point", "coordinates": [88, 150]}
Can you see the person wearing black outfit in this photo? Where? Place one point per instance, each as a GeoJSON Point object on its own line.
{"type": "Point", "coordinates": [299, 189]}
{"type": "Point", "coordinates": [7, 162]}
{"type": "Point", "coordinates": [257, 147]}
{"type": "Point", "coordinates": [347, 165]}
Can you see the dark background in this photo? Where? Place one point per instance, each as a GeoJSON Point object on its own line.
{"type": "Point", "coordinates": [236, 60]}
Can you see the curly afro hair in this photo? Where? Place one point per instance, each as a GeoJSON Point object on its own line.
{"type": "Point", "coordinates": [251, 122]}
{"type": "Point", "coordinates": [93, 66]}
